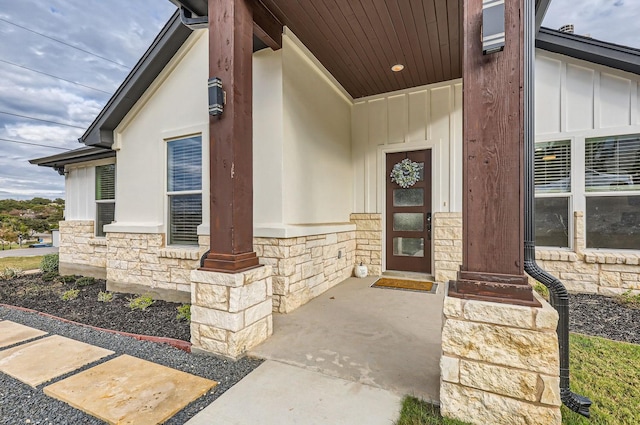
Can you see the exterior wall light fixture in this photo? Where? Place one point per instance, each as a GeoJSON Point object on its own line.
{"type": "Point", "coordinates": [216, 97]}
{"type": "Point", "coordinates": [492, 26]}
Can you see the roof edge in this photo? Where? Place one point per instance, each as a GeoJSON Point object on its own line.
{"type": "Point", "coordinates": [604, 53]}
{"type": "Point", "coordinates": [95, 135]}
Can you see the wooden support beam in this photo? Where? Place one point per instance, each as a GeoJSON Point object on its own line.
{"type": "Point", "coordinates": [231, 134]}
{"type": "Point", "coordinates": [493, 149]}
{"type": "Point", "coordinates": [266, 26]}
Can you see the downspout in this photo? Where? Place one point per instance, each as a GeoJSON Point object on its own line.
{"type": "Point", "coordinates": [559, 296]}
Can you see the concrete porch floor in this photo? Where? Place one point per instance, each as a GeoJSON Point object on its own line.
{"type": "Point", "coordinates": [385, 338]}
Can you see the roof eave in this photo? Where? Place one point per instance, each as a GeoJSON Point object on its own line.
{"type": "Point", "coordinates": [84, 154]}
{"type": "Point", "coordinates": [163, 48]}
{"type": "Point", "coordinates": [591, 50]}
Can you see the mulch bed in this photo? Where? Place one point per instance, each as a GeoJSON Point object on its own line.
{"type": "Point", "coordinates": [589, 314]}
{"type": "Point", "coordinates": [30, 291]}
{"type": "Point", "coordinates": [597, 315]}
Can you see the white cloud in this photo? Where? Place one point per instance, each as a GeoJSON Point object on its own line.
{"type": "Point", "coordinates": [615, 21]}
{"type": "Point", "coordinates": [120, 30]}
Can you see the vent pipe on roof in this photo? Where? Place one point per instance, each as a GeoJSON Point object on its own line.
{"type": "Point", "coordinates": [566, 28]}
{"type": "Point", "coordinates": [558, 293]}
{"type": "Point", "coordinates": [191, 22]}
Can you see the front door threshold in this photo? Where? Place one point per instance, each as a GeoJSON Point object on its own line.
{"type": "Point", "coordinates": [409, 275]}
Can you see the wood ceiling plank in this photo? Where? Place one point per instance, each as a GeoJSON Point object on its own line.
{"type": "Point", "coordinates": [434, 39]}
{"type": "Point", "coordinates": [454, 9]}
{"type": "Point", "coordinates": [407, 23]}
{"type": "Point", "coordinates": [334, 46]}
{"type": "Point", "coordinates": [417, 32]}
{"type": "Point", "coordinates": [305, 27]}
{"type": "Point", "coordinates": [360, 24]}
{"type": "Point", "coordinates": [408, 42]}
{"type": "Point", "coordinates": [443, 35]}
{"type": "Point", "coordinates": [345, 34]}
{"type": "Point", "coordinates": [391, 51]}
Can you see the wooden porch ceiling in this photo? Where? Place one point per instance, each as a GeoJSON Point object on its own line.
{"type": "Point", "coordinates": [359, 41]}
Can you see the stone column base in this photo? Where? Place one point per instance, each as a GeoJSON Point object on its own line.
{"type": "Point", "coordinates": [230, 313]}
{"type": "Point", "coordinates": [500, 363]}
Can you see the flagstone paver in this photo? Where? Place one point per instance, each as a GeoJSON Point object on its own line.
{"type": "Point", "coordinates": [40, 361]}
{"type": "Point", "coordinates": [13, 333]}
{"type": "Point", "coordinates": [128, 390]}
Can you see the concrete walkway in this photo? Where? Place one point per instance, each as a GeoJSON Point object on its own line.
{"type": "Point", "coordinates": [28, 252]}
{"type": "Point", "coordinates": [345, 358]}
{"type": "Point", "coordinates": [280, 394]}
{"type": "Point", "coordinates": [385, 338]}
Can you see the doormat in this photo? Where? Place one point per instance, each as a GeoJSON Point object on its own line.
{"type": "Point", "coordinates": [405, 284]}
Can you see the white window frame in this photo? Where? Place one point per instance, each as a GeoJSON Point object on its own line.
{"type": "Point", "coordinates": [599, 194]}
{"type": "Point", "coordinates": [569, 194]}
{"type": "Point", "coordinates": [169, 194]}
{"type": "Point", "coordinates": [104, 201]}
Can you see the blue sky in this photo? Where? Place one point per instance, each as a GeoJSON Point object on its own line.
{"type": "Point", "coordinates": [120, 31]}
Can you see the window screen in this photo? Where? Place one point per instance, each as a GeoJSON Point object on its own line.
{"type": "Point", "coordinates": [612, 164]}
{"type": "Point", "coordinates": [553, 167]}
{"type": "Point", "coordinates": [105, 182]}
{"type": "Point", "coordinates": [105, 196]}
{"type": "Point", "coordinates": [184, 185]}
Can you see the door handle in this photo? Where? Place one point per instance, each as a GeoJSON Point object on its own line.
{"type": "Point", "coordinates": [429, 226]}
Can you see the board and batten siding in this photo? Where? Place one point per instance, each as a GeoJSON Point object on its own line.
{"type": "Point", "coordinates": [427, 117]}
{"type": "Point", "coordinates": [578, 97]}
{"type": "Point", "coordinates": [80, 188]}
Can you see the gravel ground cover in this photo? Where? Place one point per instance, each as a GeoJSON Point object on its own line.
{"type": "Point", "coordinates": [21, 404]}
{"type": "Point", "coordinates": [30, 291]}
{"type": "Point", "coordinates": [602, 316]}
{"type": "Point", "coordinates": [589, 314]}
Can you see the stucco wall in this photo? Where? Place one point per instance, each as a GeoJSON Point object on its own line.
{"type": "Point", "coordinates": [317, 178]}
{"type": "Point", "coordinates": [174, 106]}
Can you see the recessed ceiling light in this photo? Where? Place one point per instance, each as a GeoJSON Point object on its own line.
{"type": "Point", "coordinates": [397, 67]}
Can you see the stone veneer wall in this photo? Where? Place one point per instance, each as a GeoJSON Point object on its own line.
{"type": "Point", "coordinates": [141, 263]}
{"type": "Point", "coordinates": [589, 270]}
{"type": "Point", "coordinates": [80, 252]}
{"type": "Point", "coordinates": [304, 267]}
{"type": "Point", "coordinates": [447, 245]}
{"type": "Point", "coordinates": [369, 241]}
{"type": "Point", "coordinates": [500, 363]}
{"type": "Point", "coordinates": [580, 270]}
{"type": "Point", "coordinates": [230, 313]}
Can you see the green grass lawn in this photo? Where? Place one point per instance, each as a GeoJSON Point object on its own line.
{"type": "Point", "coordinates": [22, 263]}
{"type": "Point", "coordinates": [606, 371]}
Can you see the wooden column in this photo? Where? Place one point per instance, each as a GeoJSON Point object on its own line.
{"type": "Point", "coordinates": [230, 138]}
{"type": "Point", "coordinates": [493, 147]}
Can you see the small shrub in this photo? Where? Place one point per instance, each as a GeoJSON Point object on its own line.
{"type": "Point", "coordinates": [66, 279]}
{"type": "Point", "coordinates": [184, 312]}
{"type": "Point", "coordinates": [628, 299]}
{"type": "Point", "coordinates": [10, 273]}
{"type": "Point", "coordinates": [141, 302]}
{"type": "Point", "coordinates": [71, 294]}
{"type": "Point", "coordinates": [542, 290]}
{"type": "Point", "coordinates": [49, 263]}
{"type": "Point", "coordinates": [49, 276]}
{"type": "Point", "coordinates": [105, 297]}
{"type": "Point", "coordinates": [85, 281]}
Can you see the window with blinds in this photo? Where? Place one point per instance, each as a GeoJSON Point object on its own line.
{"type": "Point", "coordinates": [105, 197]}
{"type": "Point", "coordinates": [184, 190]}
{"type": "Point", "coordinates": [612, 164]}
{"type": "Point", "coordinates": [553, 167]}
{"type": "Point", "coordinates": [612, 170]}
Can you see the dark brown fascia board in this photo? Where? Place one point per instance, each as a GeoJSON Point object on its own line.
{"type": "Point", "coordinates": [163, 48]}
{"type": "Point", "coordinates": [588, 49]}
{"type": "Point", "coordinates": [84, 154]}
